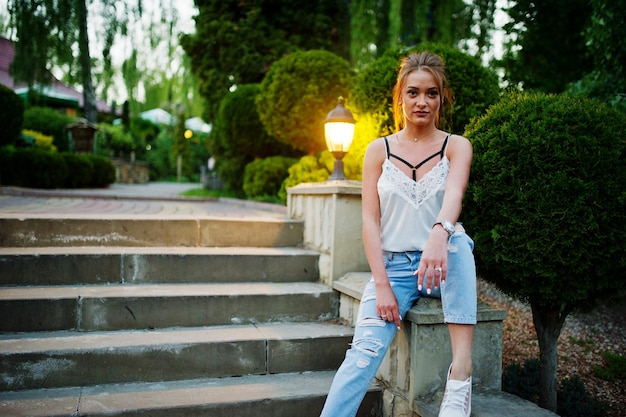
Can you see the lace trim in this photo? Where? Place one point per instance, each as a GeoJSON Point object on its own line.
{"type": "Point", "coordinates": [416, 193]}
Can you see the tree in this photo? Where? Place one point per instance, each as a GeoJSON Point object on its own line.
{"type": "Point", "coordinates": [298, 92]}
{"type": "Point", "coordinates": [46, 31]}
{"type": "Point", "coordinates": [236, 42]}
{"type": "Point", "coordinates": [547, 49]}
{"type": "Point", "coordinates": [377, 26]}
{"type": "Point", "coordinates": [605, 44]}
{"type": "Point", "coordinates": [545, 201]}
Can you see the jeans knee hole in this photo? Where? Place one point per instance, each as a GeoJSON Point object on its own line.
{"type": "Point", "coordinates": [372, 322]}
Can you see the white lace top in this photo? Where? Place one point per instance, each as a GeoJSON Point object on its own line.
{"type": "Point", "coordinates": [408, 209]}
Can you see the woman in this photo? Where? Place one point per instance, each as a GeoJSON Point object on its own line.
{"type": "Point", "coordinates": [413, 186]}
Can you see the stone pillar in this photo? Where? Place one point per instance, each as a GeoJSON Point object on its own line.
{"type": "Point", "coordinates": [331, 212]}
{"type": "Point", "coordinates": [431, 353]}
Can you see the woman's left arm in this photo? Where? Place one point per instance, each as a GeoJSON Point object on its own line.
{"type": "Point", "coordinates": [435, 253]}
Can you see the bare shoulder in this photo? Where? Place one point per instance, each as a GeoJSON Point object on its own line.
{"type": "Point", "coordinates": [376, 149]}
{"type": "Point", "coordinates": [459, 144]}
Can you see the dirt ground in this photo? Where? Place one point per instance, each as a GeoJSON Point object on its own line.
{"type": "Point", "coordinates": [583, 340]}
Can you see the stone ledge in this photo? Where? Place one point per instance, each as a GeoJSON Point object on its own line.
{"type": "Point", "coordinates": [487, 403]}
{"type": "Point", "coordinates": [426, 311]}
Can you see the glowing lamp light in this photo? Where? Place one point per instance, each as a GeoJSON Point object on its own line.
{"type": "Point", "coordinates": [339, 132]}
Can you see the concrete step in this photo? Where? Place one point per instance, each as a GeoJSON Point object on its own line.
{"type": "Point", "coordinates": [282, 395]}
{"type": "Point", "coordinates": [129, 306]}
{"type": "Point", "coordinates": [113, 265]}
{"type": "Point", "coordinates": [62, 359]}
{"type": "Point", "coordinates": [34, 230]}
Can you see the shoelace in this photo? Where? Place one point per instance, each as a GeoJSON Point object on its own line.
{"type": "Point", "coordinates": [452, 400]}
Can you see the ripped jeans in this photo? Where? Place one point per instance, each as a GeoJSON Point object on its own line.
{"type": "Point", "coordinates": [373, 336]}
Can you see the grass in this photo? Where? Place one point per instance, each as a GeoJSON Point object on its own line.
{"type": "Point", "coordinates": [203, 192]}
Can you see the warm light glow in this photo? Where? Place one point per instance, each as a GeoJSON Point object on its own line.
{"type": "Point", "coordinates": [339, 136]}
{"type": "Point", "coordinates": [188, 134]}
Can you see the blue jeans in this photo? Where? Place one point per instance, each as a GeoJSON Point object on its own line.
{"type": "Point", "coordinates": [373, 336]}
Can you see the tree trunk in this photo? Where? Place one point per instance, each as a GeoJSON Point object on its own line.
{"type": "Point", "coordinates": [89, 95]}
{"type": "Point", "coordinates": [548, 325]}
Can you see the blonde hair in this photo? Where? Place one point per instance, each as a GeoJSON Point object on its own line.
{"type": "Point", "coordinates": [420, 61]}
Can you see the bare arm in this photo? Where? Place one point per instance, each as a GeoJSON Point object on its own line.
{"type": "Point", "coordinates": [435, 252]}
{"type": "Point", "coordinates": [386, 303]}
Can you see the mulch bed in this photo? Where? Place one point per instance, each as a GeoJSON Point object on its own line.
{"type": "Point", "coordinates": [583, 340]}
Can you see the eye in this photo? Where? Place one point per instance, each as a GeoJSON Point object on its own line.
{"type": "Point", "coordinates": [433, 93]}
{"type": "Point", "coordinates": [412, 92]}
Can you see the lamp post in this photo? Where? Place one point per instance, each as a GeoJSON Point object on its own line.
{"type": "Point", "coordinates": [339, 132]}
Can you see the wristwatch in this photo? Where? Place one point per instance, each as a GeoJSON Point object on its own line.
{"type": "Point", "coordinates": [447, 226]}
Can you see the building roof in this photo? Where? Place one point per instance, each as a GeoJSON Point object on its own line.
{"type": "Point", "coordinates": [7, 53]}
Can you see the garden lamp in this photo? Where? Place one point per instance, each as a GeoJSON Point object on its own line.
{"type": "Point", "coordinates": [339, 132]}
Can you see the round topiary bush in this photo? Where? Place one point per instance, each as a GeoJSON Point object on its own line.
{"type": "Point", "coordinates": [298, 92]}
{"type": "Point", "coordinates": [546, 197]}
{"type": "Point", "coordinates": [11, 116]}
{"type": "Point", "coordinates": [546, 205]}
{"type": "Point", "coordinates": [264, 177]}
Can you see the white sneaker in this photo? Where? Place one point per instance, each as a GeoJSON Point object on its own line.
{"type": "Point", "coordinates": [457, 399]}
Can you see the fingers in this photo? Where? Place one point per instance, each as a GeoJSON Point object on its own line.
{"type": "Point", "coordinates": [431, 277]}
{"type": "Point", "coordinates": [392, 316]}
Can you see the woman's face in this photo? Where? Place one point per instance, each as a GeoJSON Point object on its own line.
{"type": "Point", "coordinates": [421, 99]}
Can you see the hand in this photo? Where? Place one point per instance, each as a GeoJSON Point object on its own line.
{"type": "Point", "coordinates": [387, 305]}
{"type": "Point", "coordinates": [433, 267]}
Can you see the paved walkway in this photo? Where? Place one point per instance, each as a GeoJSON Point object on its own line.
{"type": "Point", "coordinates": [151, 199]}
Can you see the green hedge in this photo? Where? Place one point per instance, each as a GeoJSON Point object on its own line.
{"type": "Point", "coordinates": [11, 116]}
{"type": "Point", "coordinates": [49, 122]}
{"type": "Point", "coordinates": [38, 168]}
{"type": "Point", "coordinates": [264, 177]}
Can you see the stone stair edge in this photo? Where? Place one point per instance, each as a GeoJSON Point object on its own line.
{"type": "Point", "coordinates": [166, 399]}
{"type": "Point", "coordinates": [105, 217]}
{"type": "Point", "coordinates": [156, 250]}
{"type": "Point", "coordinates": [67, 340]}
{"type": "Point", "coordinates": [60, 292]}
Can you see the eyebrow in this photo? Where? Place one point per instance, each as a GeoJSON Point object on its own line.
{"type": "Point", "coordinates": [427, 89]}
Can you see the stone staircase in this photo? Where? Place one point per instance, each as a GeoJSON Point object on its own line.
{"type": "Point", "coordinates": [128, 315]}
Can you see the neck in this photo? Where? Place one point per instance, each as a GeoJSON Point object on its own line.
{"type": "Point", "coordinates": [419, 135]}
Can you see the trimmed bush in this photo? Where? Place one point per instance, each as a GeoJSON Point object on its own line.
{"type": "Point", "coordinates": [103, 172]}
{"type": "Point", "coordinates": [545, 204]}
{"type": "Point", "coordinates": [49, 122]}
{"type": "Point", "coordinates": [238, 137]}
{"type": "Point", "coordinates": [40, 168]}
{"type": "Point", "coordinates": [264, 177]}
{"type": "Point", "coordinates": [80, 168]}
{"type": "Point", "coordinates": [37, 168]}
{"type": "Point", "coordinates": [11, 116]}
{"type": "Point", "coordinates": [298, 92]}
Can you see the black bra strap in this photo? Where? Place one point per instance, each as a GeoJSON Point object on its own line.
{"type": "Point", "coordinates": [416, 167]}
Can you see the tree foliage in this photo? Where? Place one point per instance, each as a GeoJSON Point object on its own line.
{"type": "Point", "coordinates": [236, 42]}
{"type": "Point", "coordinates": [298, 92]}
{"type": "Point", "coordinates": [547, 194]}
{"type": "Point", "coordinates": [605, 43]}
{"type": "Point", "coordinates": [547, 49]}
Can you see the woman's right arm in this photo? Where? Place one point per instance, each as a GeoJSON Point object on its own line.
{"type": "Point", "coordinates": [386, 303]}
